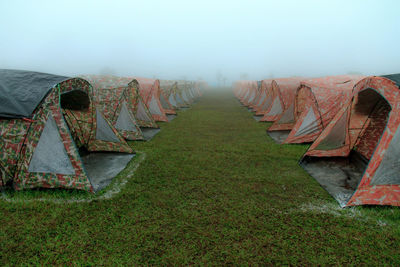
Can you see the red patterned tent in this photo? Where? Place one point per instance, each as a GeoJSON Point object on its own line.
{"type": "Point", "coordinates": [282, 96]}
{"type": "Point", "coordinates": [264, 98]}
{"type": "Point", "coordinates": [251, 93]}
{"type": "Point", "coordinates": [356, 157]}
{"type": "Point", "coordinates": [316, 102]}
{"type": "Point", "coordinates": [150, 92]}
{"type": "Point", "coordinates": [244, 90]}
{"type": "Point", "coordinates": [256, 99]}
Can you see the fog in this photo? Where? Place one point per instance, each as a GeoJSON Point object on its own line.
{"type": "Point", "coordinates": [218, 41]}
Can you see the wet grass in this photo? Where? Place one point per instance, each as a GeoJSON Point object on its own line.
{"type": "Point", "coordinates": [214, 189]}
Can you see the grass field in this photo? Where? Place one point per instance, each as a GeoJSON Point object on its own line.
{"type": "Point", "coordinates": [213, 189]}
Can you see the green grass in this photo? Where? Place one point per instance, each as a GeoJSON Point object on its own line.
{"type": "Point", "coordinates": [213, 189]}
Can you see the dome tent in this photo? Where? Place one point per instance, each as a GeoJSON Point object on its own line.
{"type": "Point", "coordinates": [37, 146]}
{"type": "Point", "coordinates": [115, 100]}
{"type": "Point", "coordinates": [264, 99]}
{"type": "Point", "coordinates": [282, 94]}
{"type": "Point", "coordinates": [316, 102]}
{"type": "Point", "coordinates": [150, 92]}
{"type": "Point", "coordinates": [356, 157]}
{"type": "Point", "coordinates": [166, 90]}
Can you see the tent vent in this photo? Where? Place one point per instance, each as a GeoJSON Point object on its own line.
{"type": "Point", "coordinates": [50, 155]}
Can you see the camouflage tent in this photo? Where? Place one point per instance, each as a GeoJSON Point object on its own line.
{"type": "Point", "coordinates": [169, 88]}
{"type": "Point", "coordinates": [181, 95]}
{"type": "Point", "coordinates": [150, 92]}
{"type": "Point", "coordinates": [115, 100]}
{"type": "Point", "coordinates": [38, 147]}
{"type": "Point", "coordinates": [356, 156]}
{"type": "Point", "coordinates": [165, 96]}
{"type": "Point", "coordinates": [316, 102]}
{"type": "Point", "coordinates": [281, 97]}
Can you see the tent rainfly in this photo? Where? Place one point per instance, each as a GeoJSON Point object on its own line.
{"type": "Point", "coordinates": [356, 157]}
{"type": "Point", "coordinates": [38, 148]}
{"type": "Point", "coordinates": [316, 102]}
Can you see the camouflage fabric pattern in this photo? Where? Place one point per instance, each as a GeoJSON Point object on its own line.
{"type": "Point", "coordinates": [83, 124]}
{"type": "Point", "coordinates": [108, 95]}
{"type": "Point", "coordinates": [12, 134]}
{"type": "Point", "coordinates": [165, 88]}
{"type": "Point", "coordinates": [28, 137]}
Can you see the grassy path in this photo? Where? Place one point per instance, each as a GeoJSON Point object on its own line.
{"type": "Point", "coordinates": [213, 189]}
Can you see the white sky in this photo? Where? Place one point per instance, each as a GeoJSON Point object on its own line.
{"type": "Point", "coordinates": [192, 39]}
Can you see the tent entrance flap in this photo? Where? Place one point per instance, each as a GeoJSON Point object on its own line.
{"type": "Point", "coordinates": [75, 100]}
{"type": "Point", "coordinates": [339, 176]}
{"type": "Point", "coordinates": [101, 167]}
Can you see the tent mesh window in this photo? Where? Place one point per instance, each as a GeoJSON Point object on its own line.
{"type": "Point", "coordinates": [388, 171]}
{"type": "Point", "coordinates": [337, 136]}
{"type": "Point", "coordinates": [288, 116]}
{"type": "Point", "coordinates": [276, 107]}
{"type": "Point", "coordinates": [178, 99]}
{"type": "Point", "coordinates": [184, 96]}
{"type": "Point", "coordinates": [104, 131]}
{"type": "Point", "coordinates": [309, 125]}
{"type": "Point", "coordinates": [50, 155]}
{"type": "Point", "coordinates": [267, 103]}
{"type": "Point", "coordinates": [125, 121]}
{"type": "Point", "coordinates": [262, 98]}
{"type": "Point", "coordinates": [153, 107]}
{"type": "Point", "coordinates": [141, 113]}
{"type": "Point", "coordinates": [172, 99]}
{"type": "Point", "coordinates": [163, 101]}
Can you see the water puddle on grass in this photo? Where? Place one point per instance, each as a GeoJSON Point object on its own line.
{"type": "Point", "coordinates": [336, 210]}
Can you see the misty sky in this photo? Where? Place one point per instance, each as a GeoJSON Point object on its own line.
{"type": "Point", "coordinates": [193, 39]}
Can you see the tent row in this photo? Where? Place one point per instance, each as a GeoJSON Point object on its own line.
{"type": "Point", "coordinates": [73, 133]}
{"type": "Point", "coordinates": [352, 123]}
